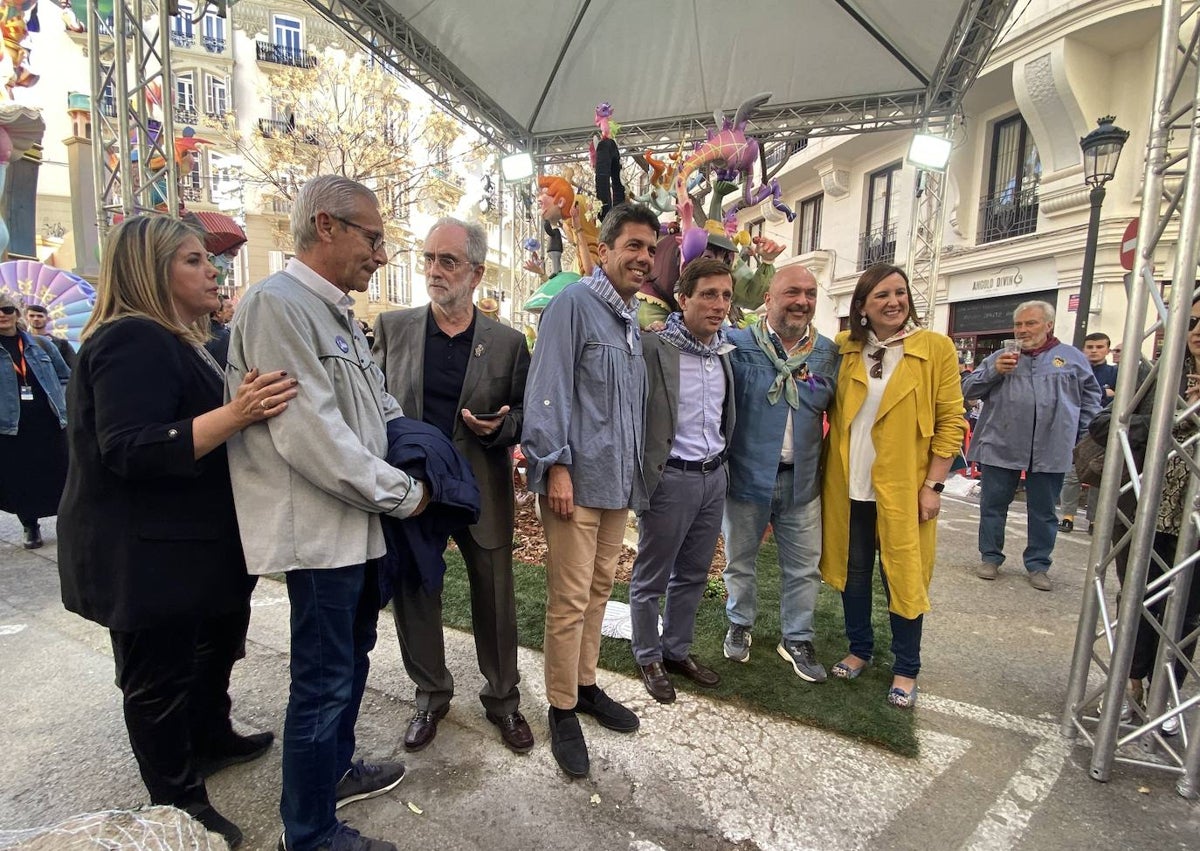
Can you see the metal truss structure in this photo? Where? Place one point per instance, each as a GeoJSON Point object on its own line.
{"type": "Point", "coordinates": [1105, 640]}
{"type": "Point", "coordinates": [379, 29]}
{"type": "Point", "coordinates": [133, 155]}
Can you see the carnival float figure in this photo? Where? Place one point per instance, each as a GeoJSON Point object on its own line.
{"type": "Point", "coordinates": [606, 160]}
{"type": "Point", "coordinates": [18, 18]}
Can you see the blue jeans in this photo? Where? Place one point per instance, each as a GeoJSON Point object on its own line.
{"type": "Point", "coordinates": [997, 492]}
{"type": "Point", "coordinates": [856, 599]}
{"type": "Point", "coordinates": [797, 534]}
{"type": "Point", "coordinates": [334, 611]}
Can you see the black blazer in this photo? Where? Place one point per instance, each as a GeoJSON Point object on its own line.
{"type": "Point", "coordinates": [147, 534]}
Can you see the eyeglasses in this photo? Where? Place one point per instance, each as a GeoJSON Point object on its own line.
{"type": "Point", "coordinates": [877, 367]}
{"type": "Point", "coordinates": [448, 262]}
{"type": "Point", "coordinates": [10, 311]}
{"type": "Point", "coordinates": [1192, 320]}
{"type": "Point", "coordinates": [375, 237]}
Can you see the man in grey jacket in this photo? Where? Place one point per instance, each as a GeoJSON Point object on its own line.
{"type": "Point", "coordinates": [689, 420]}
{"type": "Point", "coordinates": [583, 442]}
{"type": "Point", "coordinates": [1038, 402]}
{"type": "Point", "coordinates": [309, 490]}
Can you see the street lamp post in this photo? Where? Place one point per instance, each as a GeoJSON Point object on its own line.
{"type": "Point", "coordinates": [1101, 150]}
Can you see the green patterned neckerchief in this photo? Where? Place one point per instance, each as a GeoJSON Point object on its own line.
{"type": "Point", "coordinates": [786, 366]}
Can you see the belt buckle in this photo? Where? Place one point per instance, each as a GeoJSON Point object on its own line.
{"type": "Point", "coordinates": [711, 464]}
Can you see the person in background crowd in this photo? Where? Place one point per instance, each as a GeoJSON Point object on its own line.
{"type": "Point", "coordinates": [896, 426]}
{"type": "Point", "coordinates": [1095, 349]}
{"type": "Point", "coordinates": [1037, 404]}
{"type": "Point", "coordinates": [449, 364]}
{"type": "Point", "coordinates": [148, 538]}
{"type": "Point", "coordinates": [783, 380]}
{"type": "Point", "coordinates": [583, 440]}
{"type": "Point", "coordinates": [689, 420]}
{"type": "Point", "coordinates": [39, 322]}
{"type": "Point", "coordinates": [218, 341]}
{"type": "Point", "coordinates": [309, 493]}
{"type": "Point", "coordinates": [33, 413]}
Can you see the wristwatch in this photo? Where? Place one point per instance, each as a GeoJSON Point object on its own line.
{"type": "Point", "coordinates": [936, 487]}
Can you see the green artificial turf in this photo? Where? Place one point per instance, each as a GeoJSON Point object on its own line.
{"type": "Point", "coordinates": [766, 683]}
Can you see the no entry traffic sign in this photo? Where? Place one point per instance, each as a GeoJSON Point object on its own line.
{"type": "Point", "coordinates": [1128, 244]}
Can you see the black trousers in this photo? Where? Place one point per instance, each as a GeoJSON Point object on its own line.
{"type": "Point", "coordinates": [1145, 645]}
{"type": "Point", "coordinates": [418, 616]}
{"type": "Point", "coordinates": [175, 684]}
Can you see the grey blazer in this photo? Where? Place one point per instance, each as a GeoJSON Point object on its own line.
{"type": "Point", "coordinates": [495, 377]}
{"type": "Point", "coordinates": [662, 405]}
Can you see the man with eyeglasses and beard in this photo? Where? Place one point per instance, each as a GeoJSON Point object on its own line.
{"type": "Point", "coordinates": [453, 367]}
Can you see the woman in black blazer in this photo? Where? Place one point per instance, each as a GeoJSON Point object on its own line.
{"type": "Point", "coordinates": [148, 537]}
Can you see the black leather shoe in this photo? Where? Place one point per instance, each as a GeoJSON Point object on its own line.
{"type": "Point", "coordinates": [422, 728]}
{"type": "Point", "coordinates": [514, 730]}
{"type": "Point", "coordinates": [33, 537]}
{"type": "Point", "coordinates": [231, 750]}
{"type": "Point", "coordinates": [593, 701]}
{"type": "Point", "coordinates": [214, 822]}
{"type": "Point", "coordinates": [567, 744]}
{"type": "Point", "coordinates": [657, 682]}
{"type": "Point", "coordinates": [694, 671]}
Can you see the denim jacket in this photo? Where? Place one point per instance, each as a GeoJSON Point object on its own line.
{"type": "Point", "coordinates": [47, 367]}
{"type": "Point", "coordinates": [758, 439]}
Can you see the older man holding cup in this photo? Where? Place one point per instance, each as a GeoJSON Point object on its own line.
{"type": "Point", "coordinates": [1040, 395]}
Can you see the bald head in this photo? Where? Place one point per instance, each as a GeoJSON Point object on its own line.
{"type": "Point", "coordinates": [791, 302]}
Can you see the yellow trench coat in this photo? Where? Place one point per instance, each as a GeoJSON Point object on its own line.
{"type": "Point", "coordinates": [921, 412]}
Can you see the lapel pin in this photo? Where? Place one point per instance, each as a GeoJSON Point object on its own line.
{"type": "Point", "coordinates": [479, 350]}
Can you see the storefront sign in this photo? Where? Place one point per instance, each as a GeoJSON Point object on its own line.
{"type": "Point", "coordinates": [993, 315]}
{"type": "Point", "coordinates": [1029, 276]}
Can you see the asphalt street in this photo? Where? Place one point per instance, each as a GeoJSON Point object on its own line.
{"type": "Point", "coordinates": [994, 771]}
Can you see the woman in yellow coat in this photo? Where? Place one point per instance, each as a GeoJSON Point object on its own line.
{"type": "Point", "coordinates": [896, 424]}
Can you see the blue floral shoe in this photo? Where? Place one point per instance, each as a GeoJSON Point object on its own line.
{"type": "Point", "coordinates": [844, 672]}
{"type": "Point", "coordinates": [902, 699]}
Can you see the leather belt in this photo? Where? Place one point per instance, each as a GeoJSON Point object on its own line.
{"type": "Point", "coordinates": [697, 466]}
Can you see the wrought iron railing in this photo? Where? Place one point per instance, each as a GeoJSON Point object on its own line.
{"type": "Point", "coordinates": [281, 54]}
{"type": "Point", "coordinates": [191, 192]}
{"type": "Point", "coordinates": [1007, 214]}
{"type": "Point", "coordinates": [186, 115]}
{"type": "Point", "coordinates": [213, 44]}
{"type": "Point", "coordinates": [182, 39]}
{"type": "Point", "coordinates": [877, 245]}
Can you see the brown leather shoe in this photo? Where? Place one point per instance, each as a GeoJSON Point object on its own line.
{"type": "Point", "coordinates": [694, 671]}
{"type": "Point", "coordinates": [657, 682]}
{"type": "Point", "coordinates": [514, 730]}
{"type": "Point", "coordinates": [422, 728]}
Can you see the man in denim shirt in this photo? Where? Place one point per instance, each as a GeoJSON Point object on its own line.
{"type": "Point", "coordinates": [583, 435]}
{"type": "Point", "coordinates": [783, 378]}
{"type": "Point", "coordinates": [1037, 405]}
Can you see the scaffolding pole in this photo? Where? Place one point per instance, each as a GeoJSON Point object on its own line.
{"type": "Point", "coordinates": [1105, 639]}
{"type": "Point", "coordinates": [133, 152]}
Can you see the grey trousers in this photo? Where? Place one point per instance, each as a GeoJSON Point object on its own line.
{"type": "Point", "coordinates": [677, 535]}
{"type": "Point", "coordinates": [1069, 497]}
{"type": "Point", "coordinates": [418, 616]}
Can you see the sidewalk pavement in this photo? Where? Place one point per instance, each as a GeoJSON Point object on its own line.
{"type": "Point", "coordinates": [993, 772]}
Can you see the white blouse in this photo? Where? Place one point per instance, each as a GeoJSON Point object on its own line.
{"type": "Point", "coordinates": [862, 448]}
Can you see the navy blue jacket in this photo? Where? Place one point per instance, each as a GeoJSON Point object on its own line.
{"type": "Point", "coordinates": [415, 545]}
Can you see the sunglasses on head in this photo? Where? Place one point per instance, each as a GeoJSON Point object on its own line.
{"type": "Point", "coordinates": [9, 311]}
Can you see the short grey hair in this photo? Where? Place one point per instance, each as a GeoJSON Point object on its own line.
{"type": "Point", "coordinates": [328, 193]}
{"type": "Point", "coordinates": [476, 238]}
{"type": "Point", "coordinates": [1045, 307]}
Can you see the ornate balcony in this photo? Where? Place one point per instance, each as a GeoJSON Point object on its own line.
{"type": "Point", "coordinates": [877, 245]}
{"type": "Point", "coordinates": [190, 192]}
{"type": "Point", "coordinates": [281, 54]}
{"type": "Point", "coordinates": [1007, 214]}
{"type": "Point", "coordinates": [182, 39]}
{"type": "Point", "coordinates": [214, 45]}
{"type": "Point", "coordinates": [186, 115]}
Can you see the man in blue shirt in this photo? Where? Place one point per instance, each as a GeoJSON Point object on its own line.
{"type": "Point", "coordinates": [783, 377]}
{"type": "Point", "coordinates": [582, 438]}
{"type": "Point", "coordinates": [1095, 349]}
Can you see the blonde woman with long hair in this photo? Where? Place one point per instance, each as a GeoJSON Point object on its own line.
{"type": "Point", "coordinates": [148, 536]}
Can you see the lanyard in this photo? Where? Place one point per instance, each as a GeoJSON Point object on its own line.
{"type": "Point", "coordinates": [20, 370]}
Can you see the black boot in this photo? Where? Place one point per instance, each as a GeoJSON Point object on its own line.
{"type": "Point", "coordinates": [33, 537]}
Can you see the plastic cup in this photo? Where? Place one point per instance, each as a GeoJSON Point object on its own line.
{"type": "Point", "coordinates": [1011, 347]}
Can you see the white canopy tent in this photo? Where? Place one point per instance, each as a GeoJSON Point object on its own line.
{"type": "Point", "coordinates": [529, 73]}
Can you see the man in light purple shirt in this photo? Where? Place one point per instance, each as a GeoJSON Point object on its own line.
{"type": "Point", "coordinates": [689, 419]}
